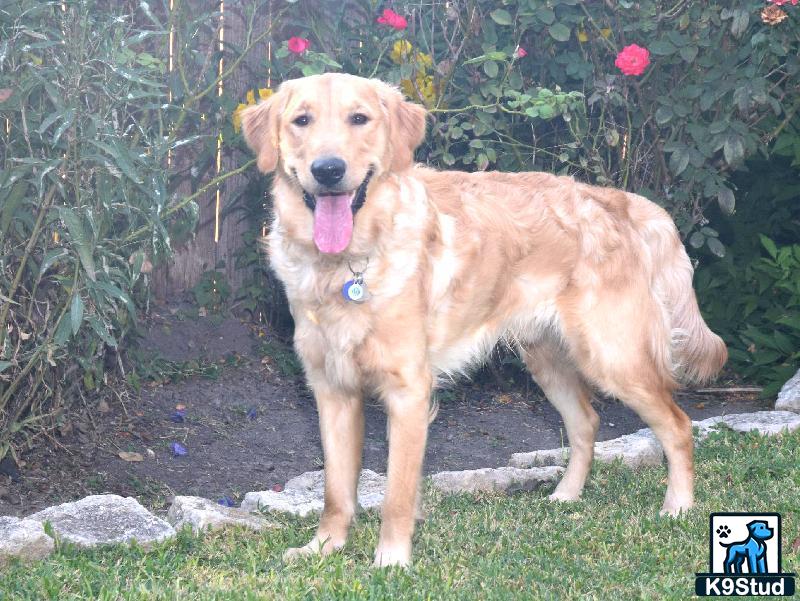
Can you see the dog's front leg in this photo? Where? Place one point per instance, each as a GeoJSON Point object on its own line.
{"type": "Point", "coordinates": [408, 408]}
{"type": "Point", "coordinates": [341, 420]}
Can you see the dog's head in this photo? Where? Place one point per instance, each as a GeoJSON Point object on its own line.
{"type": "Point", "coordinates": [760, 530]}
{"type": "Point", "coordinates": [330, 136]}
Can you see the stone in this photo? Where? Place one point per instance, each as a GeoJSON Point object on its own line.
{"type": "Point", "coordinates": [789, 396]}
{"type": "Point", "coordinates": [637, 449]}
{"type": "Point", "coordinates": [204, 514]}
{"type": "Point", "coordinates": [105, 519]}
{"type": "Point", "coordinates": [305, 494]}
{"type": "Point", "coordinates": [768, 423]}
{"type": "Point", "coordinates": [23, 538]}
{"type": "Point", "coordinates": [502, 479]}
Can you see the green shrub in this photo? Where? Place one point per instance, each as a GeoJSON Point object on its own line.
{"type": "Point", "coordinates": [92, 131]}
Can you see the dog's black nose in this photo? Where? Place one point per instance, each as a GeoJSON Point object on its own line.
{"type": "Point", "coordinates": [328, 171]}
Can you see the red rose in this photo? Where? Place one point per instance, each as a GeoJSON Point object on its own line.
{"type": "Point", "coordinates": [633, 60]}
{"type": "Point", "coordinates": [298, 45]}
{"type": "Point", "coordinates": [392, 19]}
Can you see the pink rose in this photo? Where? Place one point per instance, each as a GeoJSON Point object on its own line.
{"type": "Point", "coordinates": [782, 2]}
{"type": "Point", "coordinates": [392, 19]}
{"type": "Point", "coordinates": [520, 52]}
{"type": "Point", "coordinates": [298, 45]}
{"type": "Point", "coordinates": [633, 60]}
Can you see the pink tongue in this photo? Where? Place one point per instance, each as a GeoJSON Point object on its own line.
{"type": "Point", "coordinates": [333, 223]}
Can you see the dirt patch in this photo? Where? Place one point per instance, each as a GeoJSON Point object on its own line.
{"type": "Point", "coordinates": [254, 428]}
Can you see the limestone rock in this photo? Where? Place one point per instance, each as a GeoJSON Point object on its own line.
{"type": "Point", "coordinates": [23, 538]}
{"type": "Point", "coordinates": [768, 423]}
{"type": "Point", "coordinates": [639, 448]}
{"type": "Point", "coordinates": [789, 396]}
{"type": "Point", "coordinates": [305, 494]}
{"type": "Point", "coordinates": [203, 514]}
{"type": "Point", "coordinates": [502, 479]}
{"type": "Point", "coordinates": [105, 519]}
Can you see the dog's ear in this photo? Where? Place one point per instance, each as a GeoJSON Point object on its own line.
{"type": "Point", "coordinates": [260, 126]}
{"type": "Point", "coordinates": [406, 124]}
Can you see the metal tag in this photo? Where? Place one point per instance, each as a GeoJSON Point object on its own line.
{"type": "Point", "coordinates": [355, 291]}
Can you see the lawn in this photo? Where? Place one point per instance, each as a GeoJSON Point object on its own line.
{"type": "Point", "coordinates": [611, 545]}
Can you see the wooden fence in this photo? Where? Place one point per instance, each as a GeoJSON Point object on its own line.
{"type": "Point", "coordinates": [219, 233]}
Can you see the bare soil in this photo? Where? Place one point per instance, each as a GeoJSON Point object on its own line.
{"type": "Point", "coordinates": [255, 426]}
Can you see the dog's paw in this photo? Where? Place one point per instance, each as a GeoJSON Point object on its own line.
{"type": "Point", "coordinates": [386, 557]}
{"type": "Point", "coordinates": [723, 531]}
{"type": "Point", "coordinates": [314, 547]}
{"type": "Point", "coordinates": [561, 496]}
{"type": "Point", "coordinates": [675, 511]}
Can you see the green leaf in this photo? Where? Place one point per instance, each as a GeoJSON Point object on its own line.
{"type": "Point", "coordinates": [726, 200]}
{"type": "Point", "coordinates": [100, 330]}
{"type": "Point", "coordinates": [5, 365]}
{"type": "Point", "coordinates": [68, 117]}
{"type": "Point", "coordinates": [733, 149]}
{"type": "Point", "coordinates": [697, 240]}
{"type": "Point", "coordinates": [559, 32]}
{"type": "Point", "coordinates": [679, 160]}
{"type": "Point", "coordinates": [662, 47]}
{"type": "Point", "coordinates": [122, 161]}
{"type": "Point", "coordinates": [741, 19]}
{"type": "Point", "coordinates": [688, 53]}
{"type": "Point", "coordinates": [769, 245]}
{"type": "Point", "coordinates": [9, 206]}
{"type": "Point", "coordinates": [50, 257]}
{"type": "Point", "coordinates": [63, 332]}
{"type": "Point", "coordinates": [79, 240]}
{"type": "Point", "coordinates": [491, 69]}
{"type": "Point", "coordinates": [545, 15]}
{"type": "Point", "coordinates": [717, 127]}
{"type": "Point", "coordinates": [716, 247]}
{"type": "Point", "coordinates": [111, 289]}
{"type": "Point", "coordinates": [663, 115]}
{"type": "Point", "coordinates": [501, 17]}
{"type": "Point", "coordinates": [76, 313]}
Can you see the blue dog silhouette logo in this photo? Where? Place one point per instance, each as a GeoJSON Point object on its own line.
{"type": "Point", "coordinates": [752, 550]}
{"type": "Point", "coordinates": [745, 557]}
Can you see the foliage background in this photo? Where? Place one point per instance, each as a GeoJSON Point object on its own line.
{"type": "Point", "coordinates": [110, 157]}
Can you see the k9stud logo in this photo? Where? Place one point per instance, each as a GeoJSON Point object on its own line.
{"type": "Point", "coordinates": [745, 557]}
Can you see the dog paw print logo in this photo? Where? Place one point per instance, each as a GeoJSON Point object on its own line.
{"type": "Point", "coordinates": [723, 531]}
{"type": "Point", "coordinates": [745, 557]}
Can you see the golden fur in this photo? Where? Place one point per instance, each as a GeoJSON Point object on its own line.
{"type": "Point", "coordinates": [592, 286]}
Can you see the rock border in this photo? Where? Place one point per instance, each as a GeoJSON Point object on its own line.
{"type": "Point", "coordinates": [111, 519]}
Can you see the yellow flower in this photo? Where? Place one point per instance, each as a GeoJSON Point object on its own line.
{"type": "Point", "coordinates": [250, 98]}
{"type": "Point", "coordinates": [424, 90]}
{"type": "Point", "coordinates": [424, 60]}
{"type": "Point", "coordinates": [400, 51]}
{"type": "Point", "coordinates": [582, 37]}
{"type": "Point", "coordinates": [605, 32]}
{"type": "Point", "coordinates": [237, 117]}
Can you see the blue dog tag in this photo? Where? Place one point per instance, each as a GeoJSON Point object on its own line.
{"type": "Point", "coordinates": [354, 291]}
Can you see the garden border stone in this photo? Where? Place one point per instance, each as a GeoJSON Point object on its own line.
{"type": "Point", "coordinates": [109, 519]}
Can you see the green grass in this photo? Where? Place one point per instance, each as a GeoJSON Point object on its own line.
{"type": "Point", "coordinates": [611, 545]}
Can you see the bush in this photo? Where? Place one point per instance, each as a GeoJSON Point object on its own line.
{"type": "Point", "coordinates": [94, 190]}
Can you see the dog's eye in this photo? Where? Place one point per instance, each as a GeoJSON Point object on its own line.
{"type": "Point", "coordinates": [301, 121]}
{"type": "Point", "coordinates": [359, 119]}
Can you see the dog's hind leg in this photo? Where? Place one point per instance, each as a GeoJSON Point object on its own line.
{"type": "Point", "coordinates": [569, 394]}
{"type": "Point", "coordinates": [620, 342]}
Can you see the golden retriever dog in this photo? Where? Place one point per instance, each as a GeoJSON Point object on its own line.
{"type": "Point", "coordinates": [397, 274]}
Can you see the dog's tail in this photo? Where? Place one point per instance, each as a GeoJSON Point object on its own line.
{"type": "Point", "coordinates": [697, 354]}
